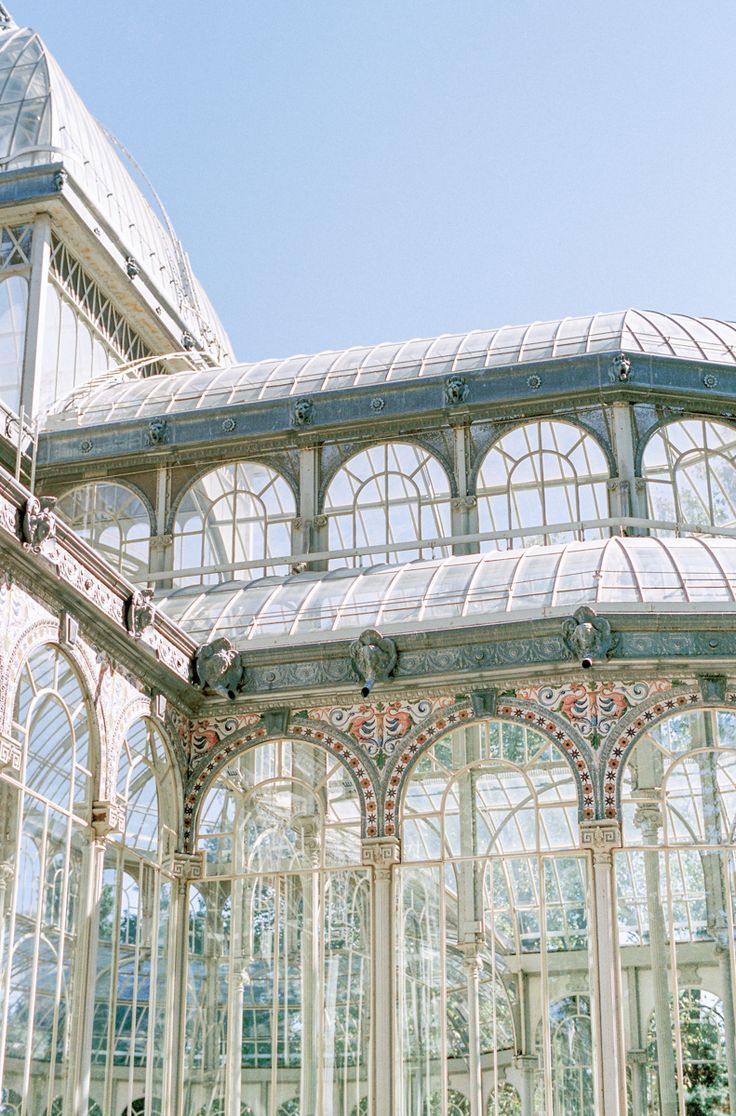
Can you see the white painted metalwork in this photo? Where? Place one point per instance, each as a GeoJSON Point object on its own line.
{"type": "Point", "coordinates": [690, 471]}
{"type": "Point", "coordinates": [44, 121]}
{"type": "Point", "coordinates": [676, 907]}
{"type": "Point", "coordinates": [493, 930]}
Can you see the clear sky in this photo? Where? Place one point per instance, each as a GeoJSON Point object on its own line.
{"type": "Point", "coordinates": [344, 173]}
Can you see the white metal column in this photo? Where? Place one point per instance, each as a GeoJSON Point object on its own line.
{"type": "Point", "coordinates": [602, 837]}
{"type": "Point", "coordinates": [36, 320]}
{"type": "Point", "coordinates": [381, 853]}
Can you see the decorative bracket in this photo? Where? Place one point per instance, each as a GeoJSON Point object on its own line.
{"type": "Point", "coordinates": [185, 866]}
{"type": "Point", "coordinates": [456, 391]}
{"type": "Point", "coordinates": [588, 636]}
{"type": "Point", "coordinates": [10, 754]}
{"type": "Point", "coordinates": [713, 687]}
{"type": "Point", "coordinates": [219, 667]}
{"type": "Point", "coordinates": [140, 612]}
{"type": "Point", "coordinates": [374, 658]}
{"type": "Point", "coordinates": [38, 524]}
{"type": "Point", "coordinates": [107, 817]}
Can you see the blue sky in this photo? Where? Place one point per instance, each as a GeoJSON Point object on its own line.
{"type": "Point", "coordinates": [344, 173]}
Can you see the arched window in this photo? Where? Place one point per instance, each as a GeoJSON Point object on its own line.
{"type": "Point", "coordinates": [504, 1101]}
{"type": "Point", "coordinates": [45, 819]}
{"type": "Point", "coordinates": [114, 520]}
{"type": "Point", "coordinates": [703, 1042]}
{"type": "Point", "coordinates": [237, 513]}
{"type": "Point", "coordinates": [542, 475]}
{"type": "Point", "coordinates": [571, 1050]}
{"type": "Point", "coordinates": [677, 906]}
{"type": "Point", "coordinates": [690, 473]}
{"type": "Point", "coordinates": [392, 493]}
{"type": "Point", "coordinates": [286, 911]}
{"type": "Point", "coordinates": [132, 946]}
{"type": "Point", "coordinates": [13, 311]}
{"type": "Point", "coordinates": [491, 894]}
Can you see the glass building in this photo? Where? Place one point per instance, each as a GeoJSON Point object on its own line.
{"type": "Point", "coordinates": [367, 719]}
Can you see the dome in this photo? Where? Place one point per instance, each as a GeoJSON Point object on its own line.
{"type": "Point", "coordinates": [43, 120]}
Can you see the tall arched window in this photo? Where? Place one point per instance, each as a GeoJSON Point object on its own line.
{"type": "Point", "coordinates": [114, 520]}
{"type": "Point", "coordinates": [690, 473]}
{"type": "Point", "coordinates": [279, 1001]}
{"type": "Point", "coordinates": [392, 493]}
{"type": "Point", "coordinates": [237, 513]}
{"type": "Point", "coordinates": [13, 311]}
{"type": "Point", "coordinates": [44, 818]}
{"type": "Point", "coordinates": [132, 946]}
{"type": "Point", "coordinates": [542, 475]}
{"type": "Point", "coordinates": [491, 896]}
{"type": "Point", "coordinates": [677, 907]}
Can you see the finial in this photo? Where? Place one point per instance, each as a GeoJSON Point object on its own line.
{"type": "Point", "coordinates": [6, 19]}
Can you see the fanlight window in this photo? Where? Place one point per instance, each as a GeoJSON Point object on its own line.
{"type": "Point", "coordinates": [392, 493]}
{"type": "Point", "coordinates": [676, 884]}
{"type": "Point", "coordinates": [13, 309]}
{"type": "Point", "coordinates": [542, 475]}
{"type": "Point", "coordinates": [492, 891]}
{"type": "Point", "coordinates": [690, 473]}
{"type": "Point", "coordinates": [236, 514]}
{"type": "Point", "coordinates": [114, 520]}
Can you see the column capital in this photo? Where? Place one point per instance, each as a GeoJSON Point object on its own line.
{"type": "Point", "coordinates": [380, 853]}
{"type": "Point", "coordinates": [185, 866]}
{"type": "Point", "coordinates": [107, 817]}
{"type": "Point", "coordinates": [600, 836]}
{"type": "Point", "coordinates": [10, 754]}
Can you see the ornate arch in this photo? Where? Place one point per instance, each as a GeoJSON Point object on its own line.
{"type": "Point", "coordinates": [336, 745]}
{"type": "Point", "coordinates": [566, 740]}
{"type": "Point", "coordinates": [640, 720]}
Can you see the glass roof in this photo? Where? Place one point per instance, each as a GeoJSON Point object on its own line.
{"type": "Point", "coordinates": [672, 335]}
{"type": "Point", "coordinates": [469, 590]}
{"type": "Point", "coordinates": [43, 120]}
